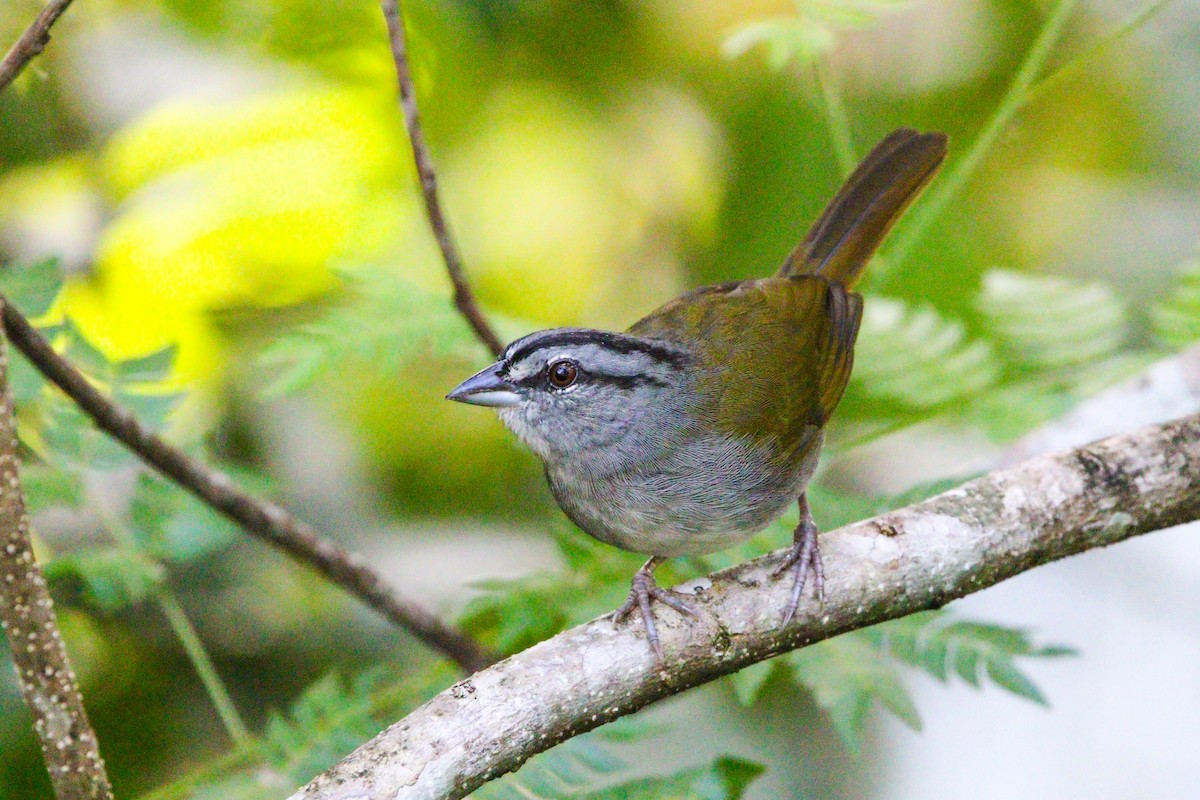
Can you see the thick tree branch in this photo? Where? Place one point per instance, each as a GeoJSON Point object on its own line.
{"type": "Point", "coordinates": [259, 517]}
{"type": "Point", "coordinates": [32, 42]}
{"type": "Point", "coordinates": [464, 298]}
{"type": "Point", "coordinates": [916, 558]}
{"type": "Point", "coordinates": [27, 617]}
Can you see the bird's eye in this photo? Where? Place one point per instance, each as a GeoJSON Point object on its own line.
{"type": "Point", "coordinates": [562, 374]}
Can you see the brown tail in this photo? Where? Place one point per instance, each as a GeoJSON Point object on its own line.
{"type": "Point", "coordinates": [853, 225]}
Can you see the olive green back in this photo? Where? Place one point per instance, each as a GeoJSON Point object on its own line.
{"type": "Point", "coordinates": [772, 356]}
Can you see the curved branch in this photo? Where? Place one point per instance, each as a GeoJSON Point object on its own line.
{"type": "Point", "coordinates": [464, 298]}
{"type": "Point", "coordinates": [916, 558]}
{"type": "Point", "coordinates": [32, 42]}
{"type": "Point", "coordinates": [257, 516]}
{"type": "Point", "coordinates": [27, 617]}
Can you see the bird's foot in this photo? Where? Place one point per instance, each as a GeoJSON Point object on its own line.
{"type": "Point", "coordinates": [641, 593]}
{"type": "Point", "coordinates": [804, 557]}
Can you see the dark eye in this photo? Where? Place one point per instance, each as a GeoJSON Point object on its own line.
{"type": "Point", "coordinates": [562, 374]}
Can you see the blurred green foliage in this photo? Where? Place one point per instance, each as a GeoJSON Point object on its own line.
{"type": "Point", "coordinates": [237, 229]}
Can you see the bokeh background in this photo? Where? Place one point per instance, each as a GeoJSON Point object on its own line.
{"type": "Point", "coordinates": [219, 193]}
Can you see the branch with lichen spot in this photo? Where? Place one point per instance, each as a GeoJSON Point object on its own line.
{"type": "Point", "coordinates": [916, 558]}
{"type": "Point", "coordinates": [464, 297]}
{"type": "Point", "coordinates": [27, 617]}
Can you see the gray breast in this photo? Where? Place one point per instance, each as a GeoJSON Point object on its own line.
{"type": "Point", "coordinates": [705, 494]}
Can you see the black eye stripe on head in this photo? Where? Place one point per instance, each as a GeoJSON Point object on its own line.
{"type": "Point", "coordinates": [615, 342]}
{"type": "Point", "coordinates": [627, 382]}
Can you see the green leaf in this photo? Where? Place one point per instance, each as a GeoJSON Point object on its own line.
{"type": "Point", "coordinates": [785, 39]}
{"type": "Point", "coordinates": [725, 779]}
{"type": "Point", "coordinates": [809, 34]}
{"type": "Point", "coordinates": [74, 442]}
{"type": "Point", "coordinates": [931, 641]}
{"type": "Point", "coordinates": [112, 580]}
{"type": "Point", "coordinates": [47, 486]}
{"type": "Point", "coordinates": [24, 381]}
{"type": "Point", "coordinates": [172, 525]}
{"type": "Point", "coordinates": [1051, 322]}
{"type": "Point", "coordinates": [1005, 675]}
{"type": "Point", "coordinates": [150, 368]}
{"type": "Point", "coordinates": [847, 675]}
{"type": "Point", "coordinates": [917, 358]}
{"type": "Point", "coordinates": [559, 772]}
{"type": "Point", "coordinates": [85, 356]}
{"type": "Point", "coordinates": [32, 288]}
{"type": "Point", "coordinates": [329, 719]}
{"type": "Point", "coordinates": [151, 409]}
{"type": "Point", "coordinates": [1176, 317]}
{"type": "Point", "coordinates": [512, 615]}
{"type": "Point", "coordinates": [381, 323]}
{"type": "Point", "coordinates": [748, 682]}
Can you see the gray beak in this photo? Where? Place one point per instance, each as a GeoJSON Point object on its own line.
{"type": "Point", "coordinates": [486, 388]}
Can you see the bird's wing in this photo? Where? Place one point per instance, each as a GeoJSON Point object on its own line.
{"type": "Point", "coordinates": [772, 356]}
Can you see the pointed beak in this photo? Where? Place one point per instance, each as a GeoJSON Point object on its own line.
{"type": "Point", "coordinates": [486, 388]}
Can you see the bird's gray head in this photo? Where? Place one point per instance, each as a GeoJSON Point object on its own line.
{"type": "Point", "coordinates": [569, 390]}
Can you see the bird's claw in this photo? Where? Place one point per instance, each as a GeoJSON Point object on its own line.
{"type": "Point", "coordinates": [641, 593]}
{"type": "Point", "coordinates": [804, 557]}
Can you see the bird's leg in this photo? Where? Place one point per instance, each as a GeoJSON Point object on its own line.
{"type": "Point", "coordinates": [804, 556]}
{"type": "Point", "coordinates": [643, 590]}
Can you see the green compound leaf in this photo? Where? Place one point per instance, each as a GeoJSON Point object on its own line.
{"type": "Point", "coordinates": [934, 642]}
{"type": "Point", "coordinates": [512, 615]}
{"type": "Point", "coordinates": [1176, 318]}
{"type": "Point", "coordinates": [918, 358]}
{"type": "Point", "coordinates": [1045, 322]}
{"type": "Point", "coordinates": [329, 719]}
{"type": "Point", "coordinates": [70, 435]}
{"type": "Point", "coordinates": [849, 674]}
{"type": "Point", "coordinates": [382, 323]}
{"type": "Point", "coordinates": [571, 770]}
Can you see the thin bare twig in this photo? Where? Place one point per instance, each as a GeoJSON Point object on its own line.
{"type": "Point", "coordinates": [909, 560]}
{"type": "Point", "coordinates": [27, 617]}
{"type": "Point", "coordinates": [32, 41]}
{"type": "Point", "coordinates": [259, 517]}
{"type": "Point", "coordinates": [464, 298]}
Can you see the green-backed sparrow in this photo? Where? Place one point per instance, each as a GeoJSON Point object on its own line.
{"type": "Point", "coordinates": [700, 424]}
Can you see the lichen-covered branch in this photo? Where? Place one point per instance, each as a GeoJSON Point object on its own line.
{"type": "Point", "coordinates": [257, 516]}
{"type": "Point", "coordinates": [916, 558]}
{"type": "Point", "coordinates": [27, 617]}
{"type": "Point", "coordinates": [464, 297]}
{"type": "Point", "coordinates": [32, 42]}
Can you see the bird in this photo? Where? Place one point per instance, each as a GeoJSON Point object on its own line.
{"type": "Point", "coordinates": [700, 424]}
